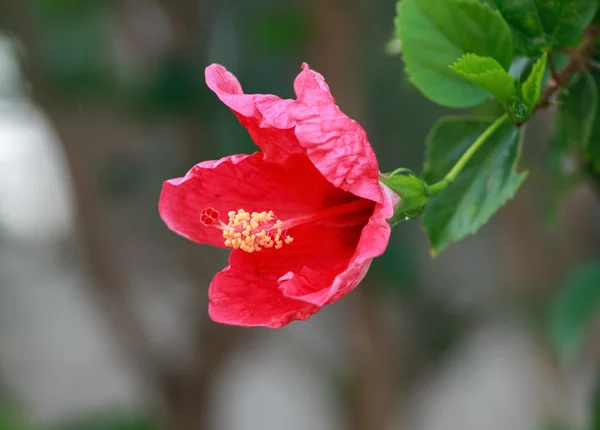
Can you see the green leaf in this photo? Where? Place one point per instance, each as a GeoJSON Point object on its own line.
{"type": "Point", "coordinates": [436, 33]}
{"type": "Point", "coordinates": [488, 74]}
{"type": "Point", "coordinates": [487, 182]}
{"type": "Point", "coordinates": [541, 25]}
{"type": "Point", "coordinates": [532, 87]}
{"type": "Point", "coordinates": [575, 307]}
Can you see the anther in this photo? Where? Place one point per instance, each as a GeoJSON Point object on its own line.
{"type": "Point", "coordinates": [249, 232]}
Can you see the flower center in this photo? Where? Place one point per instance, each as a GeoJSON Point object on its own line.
{"type": "Point", "coordinates": [249, 231]}
{"type": "Point", "coordinates": [254, 231]}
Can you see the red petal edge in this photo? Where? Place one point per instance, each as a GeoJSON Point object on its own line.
{"type": "Point", "coordinates": [373, 241]}
{"type": "Point", "coordinates": [336, 144]}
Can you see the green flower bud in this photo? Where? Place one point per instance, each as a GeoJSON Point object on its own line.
{"type": "Point", "coordinates": [413, 192]}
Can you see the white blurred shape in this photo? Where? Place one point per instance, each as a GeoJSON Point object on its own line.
{"type": "Point", "coordinates": [35, 195]}
{"type": "Point", "coordinates": [274, 387]}
{"type": "Point", "coordinates": [56, 354]}
{"type": "Point", "coordinates": [35, 202]}
{"type": "Point", "coordinates": [501, 380]}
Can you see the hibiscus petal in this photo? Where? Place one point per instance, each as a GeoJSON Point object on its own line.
{"type": "Point", "coordinates": [321, 265]}
{"type": "Point", "coordinates": [314, 158]}
{"type": "Point", "coordinates": [336, 144]}
{"type": "Point", "coordinates": [243, 296]}
{"type": "Point", "coordinates": [246, 182]}
{"type": "Point", "coordinates": [316, 288]}
{"type": "Point", "coordinates": [320, 252]}
{"type": "Point", "coordinates": [373, 242]}
{"type": "Point", "coordinates": [265, 116]}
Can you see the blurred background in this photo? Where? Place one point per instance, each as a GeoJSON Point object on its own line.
{"type": "Point", "coordinates": [103, 311]}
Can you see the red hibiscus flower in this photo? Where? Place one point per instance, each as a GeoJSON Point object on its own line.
{"type": "Point", "coordinates": [304, 217]}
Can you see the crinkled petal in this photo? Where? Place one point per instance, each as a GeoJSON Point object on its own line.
{"type": "Point", "coordinates": [327, 258]}
{"type": "Point", "coordinates": [265, 116]}
{"type": "Point", "coordinates": [336, 144]}
{"type": "Point", "coordinates": [242, 182]}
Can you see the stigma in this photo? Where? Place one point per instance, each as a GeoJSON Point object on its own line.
{"type": "Point", "coordinates": [250, 232]}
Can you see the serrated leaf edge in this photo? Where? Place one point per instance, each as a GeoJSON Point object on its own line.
{"type": "Point", "coordinates": [536, 76]}
{"type": "Point", "coordinates": [405, 55]}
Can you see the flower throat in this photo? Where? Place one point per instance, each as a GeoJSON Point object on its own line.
{"type": "Point", "coordinates": [253, 232]}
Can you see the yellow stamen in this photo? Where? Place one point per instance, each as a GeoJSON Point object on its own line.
{"type": "Point", "coordinates": [255, 231]}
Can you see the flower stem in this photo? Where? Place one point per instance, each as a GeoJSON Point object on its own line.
{"type": "Point", "coordinates": [460, 164]}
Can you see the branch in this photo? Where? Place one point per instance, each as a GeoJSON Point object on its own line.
{"type": "Point", "coordinates": [579, 61]}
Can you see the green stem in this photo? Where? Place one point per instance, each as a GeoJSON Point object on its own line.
{"type": "Point", "coordinates": [461, 163]}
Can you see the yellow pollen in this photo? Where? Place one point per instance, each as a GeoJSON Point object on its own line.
{"type": "Point", "coordinates": [254, 231]}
